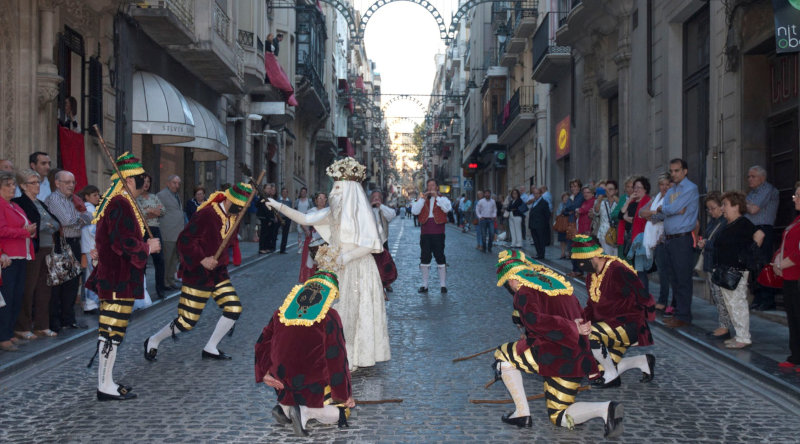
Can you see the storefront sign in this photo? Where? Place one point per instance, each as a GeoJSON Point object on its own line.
{"type": "Point", "coordinates": [562, 138]}
{"type": "Point", "coordinates": [787, 25]}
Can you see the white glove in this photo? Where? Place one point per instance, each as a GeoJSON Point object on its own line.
{"type": "Point", "coordinates": [272, 203]}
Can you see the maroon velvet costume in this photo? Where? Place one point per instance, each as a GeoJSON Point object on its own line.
{"type": "Point", "coordinates": [200, 239]}
{"type": "Point", "coordinates": [306, 360]}
{"type": "Point", "coordinates": [623, 301]}
{"type": "Point", "coordinates": [552, 334]}
{"type": "Point", "coordinates": [122, 254]}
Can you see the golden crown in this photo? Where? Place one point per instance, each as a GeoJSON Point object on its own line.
{"type": "Point", "coordinates": [347, 169]}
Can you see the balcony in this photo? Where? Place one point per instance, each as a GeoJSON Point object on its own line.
{"type": "Point", "coordinates": [310, 50]}
{"type": "Point", "coordinates": [168, 22]}
{"type": "Point", "coordinates": [550, 61]}
{"type": "Point", "coordinates": [579, 17]}
{"type": "Point", "coordinates": [276, 113]}
{"type": "Point", "coordinates": [521, 115]}
{"type": "Point", "coordinates": [213, 54]}
{"type": "Point", "coordinates": [525, 16]}
{"type": "Point", "coordinates": [253, 59]}
{"type": "Point", "coordinates": [326, 140]}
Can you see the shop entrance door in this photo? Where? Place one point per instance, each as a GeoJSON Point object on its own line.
{"type": "Point", "coordinates": [782, 163]}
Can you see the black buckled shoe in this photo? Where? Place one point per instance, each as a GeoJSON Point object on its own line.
{"type": "Point", "coordinates": [614, 420]}
{"type": "Point", "coordinates": [124, 395]}
{"type": "Point", "coordinates": [422, 290]}
{"type": "Point", "coordinates": [150, 355]}
{"type": "Point", "coordinates": [520, 421]}
{"type": "Point", "coordinates": [297, 423]}
{"type": "Point", "coordinates": [221, 356]}
{"type": "Point", "coordinates": [601, 383]}
{"type": "Point", "coordinates": [651, 362]}
{"type": "Point", "coordinates": [280, 417]}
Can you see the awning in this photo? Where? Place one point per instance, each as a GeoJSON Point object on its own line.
{"type": "Point", "coordinates": [160, 110]}
{"type": "Point", "coordinates": [210, 138]}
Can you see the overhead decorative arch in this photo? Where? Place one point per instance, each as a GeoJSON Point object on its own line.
{"type": "Point", "coordinates": [424, 3]}
{"type": "Point", "coordinates": [461, 12]}
{"type": "Point", "coordinates": [405, 97]}
{"type": "Point", "coordinates": [349, 16]}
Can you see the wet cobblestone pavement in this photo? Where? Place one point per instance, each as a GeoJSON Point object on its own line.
{"type": "Point", "coordinates": [185, 399]}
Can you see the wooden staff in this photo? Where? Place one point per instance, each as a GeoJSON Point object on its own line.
{"type": "Point", "coordinates": [509, 401]}
{"type": "Point", "coordinates": [124, 182]}
{"type": "Point", "coordinates": [238, 220]}
{"type": "Point", "coordinates": [475, 355]}
{"type": "Point", "coordinates": [378, 401]}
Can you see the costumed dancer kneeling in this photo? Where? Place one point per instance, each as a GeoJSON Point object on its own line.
{"type": "Point", "coordinates": [618, 308]}
{"type": "Point", "coordinates": [118, 278]}
{"type": "Point", "coordinates": [301, 354]}
{"type": "Point", "coordinates": [203, 276]}
{"type": "Point", "coordinates": [555, 345]}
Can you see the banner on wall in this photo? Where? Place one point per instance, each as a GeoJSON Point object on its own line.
{"type": "Point", "coordinates": [787, 25]}
{"type": "Point", "coordinates": [562, 137]}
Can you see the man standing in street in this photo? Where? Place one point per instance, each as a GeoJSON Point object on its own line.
{"type": "Point", "coordinates": [486, 212]}
{"type": "Point", "coordinates": [762, 207]}
{"type": "Point", "coordinates": [171, 223]}
{"type": "Point", "coordinates": [285, 223]}
{"type": "Point", "coordinates": [679, 212]}
{"type": "Point", "coordinates": [431, 211]}
{"type": "Point", "coordinates": [72, 215]}
{"type": "Point", "coordinates": [539, 222]}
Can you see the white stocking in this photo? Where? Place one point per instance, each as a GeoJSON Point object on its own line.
{"type": "Point", "coordinates": [610, 372]}
{"type": "Point", "coordinates": [512, 378]}
{"type": "Point", "coordinates": [442, 275]}
{"type": "Point", "coordinates": [162, 334]}
{"type": "Point", "coordinates": [639, 362]}
{"type": "Point", "coordinates": [105, 371]}
{"type": "Point", "coordinates": [328, 414]}
{"type": "Point", "coordinates": [581, 412]}
{"type": "Point", "coordinates": [224, 325]}
{"type": "Point", "coordinates": [426, 270]}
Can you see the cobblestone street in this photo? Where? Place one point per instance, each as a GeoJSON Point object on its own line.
{"type": "Point", "coordinates": [185, 399]}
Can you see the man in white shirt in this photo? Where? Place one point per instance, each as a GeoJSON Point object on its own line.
{"type": "Point", "coordinates": [431, 211]}
{"type": "Point", "coordinates": [486, 212]}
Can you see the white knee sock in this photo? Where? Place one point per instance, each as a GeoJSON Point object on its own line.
{"type": "Point", "coordinates": [639, 362]}
{"type": "Point", "coordinates": [224, 325]}
{"type": "Point", "coordinates": [328, 414]}
{"type": "Point", "coordinates": [512, 378]}
{"type": "Point", "coordinates": [105, 371]}
{"type": "Point", "coordinates": [610, 371]}
{"type": "Point", "coordinates": [162, 334]}
{"type": "Point", "coordinates": [581, 412]}
{"type": "Point", "coordinates": [442, 275]}
{"type": "Point", "coordinates": [426, 270]}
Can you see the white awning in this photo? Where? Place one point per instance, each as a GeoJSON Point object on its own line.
{"type": "Point", "coordinates": [210, 138]}
{"type": "Point", "coordinates": [160, 110]}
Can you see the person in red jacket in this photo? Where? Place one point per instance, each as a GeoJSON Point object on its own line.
{"type": "Point", "coordinates": [618, 308]}
{"type": "Point", "coordinates": [555, 345]}
{"type": "Point", "coordinates": [301, 353]}
{"type": "Point", "coordinates": [118, 278]}
{"type": "Point", "coordinates": [204, 276]}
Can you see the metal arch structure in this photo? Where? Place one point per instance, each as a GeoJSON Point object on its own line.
{"type": "Point", "coordinates": [435, 106]}
{"type": "Point", "coordinates": [424, 3]}
{"type": "Point", "coordinates": [409, 98]}
{"type": "Point", "coordinates": [395, 120]}
{"type": "Point", "coordinates": [461, 12]}
{"type": "Point", "coordinates": [349, 16]}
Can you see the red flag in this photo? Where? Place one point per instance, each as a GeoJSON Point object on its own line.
{"type": "Point", "coordinates": [73, 157]}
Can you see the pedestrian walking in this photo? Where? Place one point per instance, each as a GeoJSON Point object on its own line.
{"type": "Point", "coordinates": [486, 211]}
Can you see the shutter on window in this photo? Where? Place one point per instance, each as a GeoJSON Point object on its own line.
{"type": "Point", "coordinates": [95, 93]}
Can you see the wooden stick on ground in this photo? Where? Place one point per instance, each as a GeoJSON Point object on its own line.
{"type": "Point", "coordinates": [509, 401]}
{"type": "Point", "coordinates": [122, 179]}
{"type": "Point", "coordinates": [238, 220]}
{"type": "Point", "coordinates": [475, 355]}
{"type": "Point", "coordinates": [377, 401]}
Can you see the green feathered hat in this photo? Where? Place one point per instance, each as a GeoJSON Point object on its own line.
{"type": "Point", "coordinates": [515, 265]}
{"type": "Point", "coordinates": [585, 247]}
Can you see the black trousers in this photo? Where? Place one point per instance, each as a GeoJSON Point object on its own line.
{"type": "Point", "coordinates": [158, 261]}
{"type": "Point", "coordinates": [62, 297]}
{"type": "Point", "coordinates": [267, 236]}
{"type": "Point", "coordinates": [539, 242]}
{"type": "Point", "coordinates": [791, 302]}
{"type": "Point", "coordinates": [431, 245]}
{"type": "Point", "coordinates": [285, 234]}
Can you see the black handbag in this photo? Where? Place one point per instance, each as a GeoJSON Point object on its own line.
{"type": "Point", "coordinates": [726, 277]}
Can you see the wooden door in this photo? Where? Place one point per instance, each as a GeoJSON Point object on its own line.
{"type": "Point", "coordinates": [782, 163]}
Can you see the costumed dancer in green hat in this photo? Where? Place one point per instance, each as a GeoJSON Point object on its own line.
{"type": "Point", "coordinates": [555, 346]}
{"type": "Point", "coordinates": [118, 279]}
{"type": "Point", "coordinates": [301, 354]}
{"type": "Point", "coordinates": [203, 276]}
{"type": "Point", "coordinates": [618, 308]}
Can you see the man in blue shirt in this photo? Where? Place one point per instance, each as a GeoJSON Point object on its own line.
{"type": "Point", "coordinates": [679, 212]}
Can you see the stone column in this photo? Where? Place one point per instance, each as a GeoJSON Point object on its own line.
{"type": "Point", "coordinates": [623, 60]}
{"type": "Point", "coordinates": [47, 79]}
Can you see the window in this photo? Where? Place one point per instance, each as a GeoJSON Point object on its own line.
{"type": "Point", "coordinates": [696, 50]}
{"type": "Point", "coordinates": [613, 137]}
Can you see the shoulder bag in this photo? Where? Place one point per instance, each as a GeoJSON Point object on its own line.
{"type": "Point", "coordinates": [61, 266]}
{"type": "Point", "coordinates": [611, 234]}
{"type": "Point", "coordinates": [726, 277]}
{"type": "Point", "coordinates": [561, 224]}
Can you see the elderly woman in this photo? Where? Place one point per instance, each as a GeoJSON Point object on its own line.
{"type": "Point", "coordinates": [787, 265]}
{"type": "Point", "coordinates": [716, 222]}
{"type": "Point", "coordinates": [198, 197]}
{"type": "Point", "coordinates": [730, 253]}
{"type": "Point", "coordinates": [153, 209]}
{"type": "Point", "coordinates": [36, 294]}
{"type": "Point", "coordinates": [16, 232]}
{"type": "Point", "coordinates": [603, 207]}
{"type": "Point", "coordinates": [654, 241]}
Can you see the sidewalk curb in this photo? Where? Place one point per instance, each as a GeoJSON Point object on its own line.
{"type": "Point", "coordinates": [9, 368]}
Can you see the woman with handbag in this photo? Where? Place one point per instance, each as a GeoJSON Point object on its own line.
{"type": "Point", "coordinates": [516, 210]}
{"type": "Point", "coordinates": [786, 265]}
{"type": "Point", "coordinates": [635, 252]}
{"type": "Point", "coordinates": [715, 225]}
{"type": "Point", "coordinates": [730, 271]}
{"type": "Point", "coordinates": [604, 207]}
{"type": "Point", "coordinates": [16, 233]}
{"type": "Point", "coordinates": [35, 310]}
